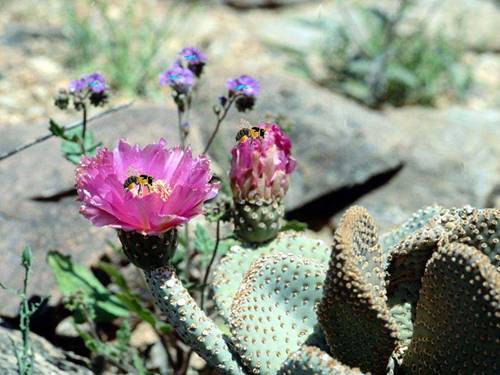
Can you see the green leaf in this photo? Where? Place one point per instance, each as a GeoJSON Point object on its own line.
{"type": "Point", "coordinates": [401, 74]}
{"type": "Point", "coordinates": [132, 302]}
{"type": "Point", "coordinates": [139, 364]}
{"type": "Point", "coordinates": [73, 278]}
{"type": "Point", "coordinates": [55, 129]}
{"type": "Point", "coordinates": [115, 275]}
{"type": "Point", "coordinates": [123, 337]}
{"type": "Point", "coordinates": [26, 258]}
{"type": "Point", "coordinates": [297, 226]}
{"type": "Point", "coordinates": [71, 147]}
{"type": "Point", "coordinates": [202, 242]}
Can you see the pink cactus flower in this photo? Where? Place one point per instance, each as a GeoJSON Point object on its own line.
{"type": "Point", "coordinates": [261, 166]}
{"type": "Point", "coordinates": [149, 190]}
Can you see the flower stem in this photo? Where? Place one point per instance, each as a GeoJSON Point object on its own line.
{"type": "Point", "coordinates": [47, 136]}
{"type": "Point", "coordinates": [183, 109]}
{"type": "Point", "coordinates": [84, 129]}
{"type": "Point", "coordinates": [207, 271]}
{"type": "Point", "coordinates": [221, 115]}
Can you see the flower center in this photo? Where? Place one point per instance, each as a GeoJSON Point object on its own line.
{"type": "Point", "coordinates": [242, 86]}
{"type": "Point", "coordinates": [160, 188]}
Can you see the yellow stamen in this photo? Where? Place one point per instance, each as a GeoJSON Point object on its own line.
{"type": "Point", "coordinates": [163, 190]}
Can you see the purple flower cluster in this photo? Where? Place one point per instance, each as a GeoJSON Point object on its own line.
{"type": "Point", "coordinates": [91, 87]}
{"type": "Point", "coordinates": [243, 85]}
{"type": "Point", "coordinates": [246, 88]}
{"type": "Point", "coordinates": [194, 58]}
{"type": "Point", "coordinates": [93, 82]}
{"type": "Point", "coordinates": [183, 72]}
{"type": "Point", "coordinates": [182, 75]}
{"type": "Point", "coordinates": [178, 78]}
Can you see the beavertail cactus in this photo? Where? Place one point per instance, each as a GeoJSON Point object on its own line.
{"type": "Point", "coordinates": [353, 312]}
{"type": "Point", "coordinates": [271, 313]}
{"type": "Point", "coordinates": [424, 298]}
{"type": "Point", "coordinates": [310, 360]}
{"type": "Point", "coordinates": [260, 172]}
{"type": "Point", "coordinates": [190, 322]}
{"type": "Point", "coordinates": [230, 271]}
{"type": "Point", "coordinates": [457, 318]}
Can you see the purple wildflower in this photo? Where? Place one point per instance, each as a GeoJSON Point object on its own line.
{"type": "Point", "coordinates": [193, 55]}
{"type": "Point", "coordinates": [96, 83]}
{"type": "Point", "coordinates": [247, 88]}
{"type": "Point", "coordinates": [195, 59]}
{"type": "Point", "coordinates": [177, 77]}
{"type": "Point", "coordinates": [93, 82]}
{"type": "Point", "coordinates": [243, 85]}
{"type": "Point", "coordinates": [77, 85]}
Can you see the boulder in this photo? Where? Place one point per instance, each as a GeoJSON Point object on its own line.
{"type": "Point", "coordinates": [48, 360]}
{"type": "Point", "coordinates": [454, 160]}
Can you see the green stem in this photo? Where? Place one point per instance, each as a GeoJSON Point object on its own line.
{"type": "Point", "coordinates": [220, 117]}
{"type": "Point", "coordinates": [207, 271]}
{"type": "Point", "coordinates": [190, 322]}
{"type": "Point", "coordinates": [25, 325]}
{"type": "Point", "coordinates": [84, 128]}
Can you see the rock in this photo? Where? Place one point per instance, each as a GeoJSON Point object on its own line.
{"type": "Point", "coordinates": [45, 67]}
{"type": "Point", "coordinates": [143, 335]}
{"type": "Point", "coordinates": [67, 328]}
{"type": "Point", "coordinates": [158, 359]}
{"type": "Point", "coordinates": [458, 19]}
{"type": "Point", "coordinates": [485, 90]}
{"type": "Point", "coordinates": [47, 358]}
{"type": "Point", "coordinates": [454, 160]}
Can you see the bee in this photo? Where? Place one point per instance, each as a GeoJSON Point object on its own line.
{"type": "Point", "coordinates": [139, 181]}
{"type": "Point", "coordinates": [253, 133]}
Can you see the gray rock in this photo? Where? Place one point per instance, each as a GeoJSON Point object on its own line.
{"type": "Point", "coordinates": [48, 360]}
{"type": "Point", "coordinates": [454, 160]}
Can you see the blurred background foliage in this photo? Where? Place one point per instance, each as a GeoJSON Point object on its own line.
{"type": "Point", "coordinates": [366, 57]}
{"type": "Point", "coordinates": [123, 42]}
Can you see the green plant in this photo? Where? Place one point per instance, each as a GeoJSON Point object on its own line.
{"type": "Point", "coordinates": [92, 303]}
{"type": "Point", "coordinates": [125, 47]}
{"type": "Point", "coordinates": [436, 273]}
{"type": "Point", "coordinates": [24, 353]}
{"type": "Point", "coordinates": [384, 65]}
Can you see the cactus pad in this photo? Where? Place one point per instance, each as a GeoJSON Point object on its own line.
{"type": "Point", "coordinates": [272, 314]}
{"type": "Point", "coordinates": [190, 322]}
{"type": "Point", "coordinates": [418, 220]}
{"type": "Point", "coordinates": [458, 315]}
{"type": "Point", "coordinates": [258, 222]}
{"type": "Point", "coordinates": [309, 360]}
{"type": "Point", "coordinates": [353, 311]}
{"type": "Point", "coordinates": [477, 227]}
{"type": "Point", "coordinates": [229, 273]}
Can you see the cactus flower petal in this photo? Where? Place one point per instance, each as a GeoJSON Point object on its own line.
{"type": "Point", "coordinates": [178, 187]}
